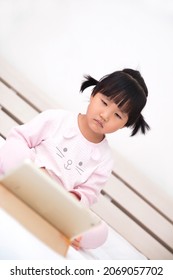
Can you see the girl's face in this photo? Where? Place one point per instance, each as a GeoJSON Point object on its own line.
{"type": "Point", "coordinates": [104, 116]}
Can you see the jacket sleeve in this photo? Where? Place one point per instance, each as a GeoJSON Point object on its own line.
{"type": "Point", "coordinates": [95, 237]}
{"type": "Point", "coordinates": [22, 139]}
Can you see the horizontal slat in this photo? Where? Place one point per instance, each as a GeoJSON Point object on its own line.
{"type": "Point", "coordinates": [6, 123]}
{"type": "Point", "coordinates": [142, 185]}
{"type": "Point", "coordinates": [131, 231]}
{"type": "Point", "coordinates": [140, 210]}
{"type": "Point", "coordinates": [25, 88]}
{"type": "Point", "coordinates": [15, 105]}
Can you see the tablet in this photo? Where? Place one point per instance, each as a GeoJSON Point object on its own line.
{"type": "Point", "coordinates": [49, 199]}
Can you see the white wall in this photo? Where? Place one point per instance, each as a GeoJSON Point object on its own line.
{"type": "Point", "coordinates": [55, 42]}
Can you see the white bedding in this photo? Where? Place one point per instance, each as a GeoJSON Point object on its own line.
{"type": "Point", "coordinates": [16, 243]}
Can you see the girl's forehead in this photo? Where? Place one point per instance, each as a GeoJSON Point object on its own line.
{"type": "Point", "coordinates": [120, 99]}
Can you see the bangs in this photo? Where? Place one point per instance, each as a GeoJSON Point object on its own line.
{"type": "Point", "coordinates": [130, 104]}
{"type": "Point", "coordinates": [122, 101]}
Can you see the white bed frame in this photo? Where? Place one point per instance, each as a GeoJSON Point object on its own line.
{"type": "Point", "coordinates": [130, 203]}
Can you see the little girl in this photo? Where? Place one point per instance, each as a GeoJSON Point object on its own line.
{"type": "Point", "coordinates": [73, 149]}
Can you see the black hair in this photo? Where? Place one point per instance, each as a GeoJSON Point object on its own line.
{"type": "Point", "coordinates": [128, 90]}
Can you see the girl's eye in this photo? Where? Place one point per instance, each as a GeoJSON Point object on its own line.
{"type": "Point", "coordinates": [118, 116]}
{"type": "Point", "coordinates": [104, 102]}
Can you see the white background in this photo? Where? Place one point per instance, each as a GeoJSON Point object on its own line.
{"type": "Point", "coordinates": [55, 42]}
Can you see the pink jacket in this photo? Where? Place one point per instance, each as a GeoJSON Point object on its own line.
{"type": "Point", "coordinates": [53, 140]}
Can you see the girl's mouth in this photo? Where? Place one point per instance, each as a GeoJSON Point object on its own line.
{"type": "Point", "coordinates": [99, 123]}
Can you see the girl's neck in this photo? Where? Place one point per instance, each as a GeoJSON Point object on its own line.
{"type": "Point", "coordinates": [87, 132]}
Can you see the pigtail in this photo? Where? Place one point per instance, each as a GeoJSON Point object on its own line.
{"type": "Point", "coordinates": [140, 124]}
{"type": "Point", "coordinates": [88, 82]}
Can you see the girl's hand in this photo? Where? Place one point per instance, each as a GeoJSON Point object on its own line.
{"type": "Point", "coordinates": [76, 243]}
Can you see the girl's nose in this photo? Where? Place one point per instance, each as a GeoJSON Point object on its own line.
{"type": "Point", "coordinates": [104, 116]}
